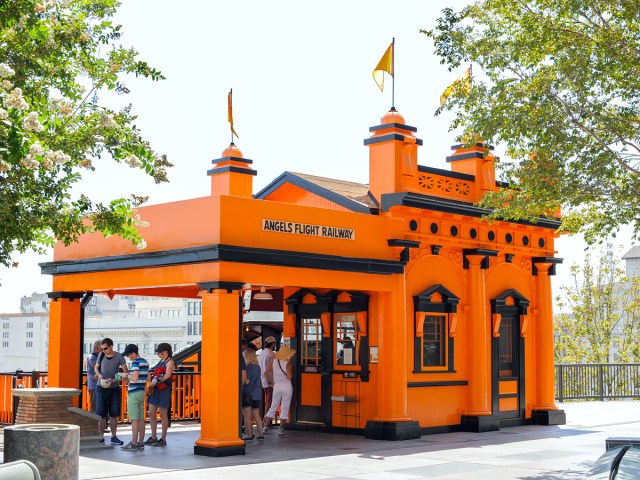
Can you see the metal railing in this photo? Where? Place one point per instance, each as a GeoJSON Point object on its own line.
{"type": "Point", "coordinates": [185, 395]}
{"type": "Point", "coordinates": [603, 381]}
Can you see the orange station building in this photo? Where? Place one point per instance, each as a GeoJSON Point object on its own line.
{"type": "Point", "coordinates": [450, 316]}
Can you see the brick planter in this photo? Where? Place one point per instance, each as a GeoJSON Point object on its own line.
{"type": "Point", "coordinates": [55, 405]}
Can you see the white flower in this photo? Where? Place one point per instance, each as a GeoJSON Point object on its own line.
{"type": "Point", "coordinates": [4, 166]}
{"type": "Point", "coordinates": [56, 157]}
{"type": "Point", "coordinates": [47, 163]}
{"type": "Point", "coordinates": [107, 121]}
{"type": "Point", "coordinates": [3, 114]}
{"type": "Point", "coordinates": [6, 71]}
{"type": "Point", "coordinates": [16, 100]}
{"type": "Point", "coordinates": [31, 123]}
{"type": "Point", "coordinates": [141, 245]}
{"type": "Point", "coordinates": [6, 84]}
{"type": "Point", "coordinates": [36, 149]}
{"type": "Point", "coordinates": [30, 162]}
{"type": "Point", "coordinates": [86, 163]}
{"type": "Point", "coordinates": [133, 161]}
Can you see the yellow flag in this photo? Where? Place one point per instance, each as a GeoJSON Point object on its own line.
{"type": "Point", "coordinates": [463, 83]}
{"type": "Point", "coordinates": [384, 65]}
{"type": "Point", "coordinates": [230, 112]}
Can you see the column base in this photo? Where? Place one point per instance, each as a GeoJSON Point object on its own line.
{"type": "Point", "coordinates": [480, 423]}
{"type": "Point", "coordinates": [549, 417]}
{"type": "Point", "coordinates": [392, 430]}
{"type": "Point", "coordinates": [219, 451]}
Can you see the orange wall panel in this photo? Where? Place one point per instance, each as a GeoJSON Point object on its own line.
{"type": "Point", "coordinates": [436, 406]}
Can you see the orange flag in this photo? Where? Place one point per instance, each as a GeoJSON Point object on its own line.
{"type": "Point", "coordinates": [384, 65]}
{"type": "Point", "coordinates": [230, 112]}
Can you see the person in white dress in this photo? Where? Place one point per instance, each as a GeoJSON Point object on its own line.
{"type": "Point", "coordinates": [282, 387]}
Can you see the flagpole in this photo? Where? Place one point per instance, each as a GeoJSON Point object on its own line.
{"type": "Point", "coordinates": [231, 103]}
{"type": "Point", "coordinates": [393, 76]}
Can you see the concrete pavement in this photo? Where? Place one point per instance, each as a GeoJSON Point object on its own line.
{"type": "Point", "coordinates": [528, 453]}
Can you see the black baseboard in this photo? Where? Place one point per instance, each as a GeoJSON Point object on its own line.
{"type": "Point", "coordinates": [392, 430]}
{"type": "Point", "coordinates": [442, 429]}
{"type": "Point", "coordinates": [549, 417]}
{"type": "Point", "coordinates": [219, 452]}
{"type": "Point", "coordinates": [480, 423]}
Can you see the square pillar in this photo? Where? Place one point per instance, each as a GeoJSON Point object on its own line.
{"type": "Point", "coordinates": [221, 329]}
{"type": "Point", "coordinates": [64, 340]}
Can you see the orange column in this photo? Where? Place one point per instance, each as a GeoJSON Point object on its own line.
{"type": "Point", "coordinates": [64, 340]}
{"type": "Point", "coordinates": [392, 421]}
{"type": "Point", "coordinates": [545, 378]}
{"type": "Point", "coordinates": [220, 407]}
{"type": "Point", "coordinates": [479, 350]}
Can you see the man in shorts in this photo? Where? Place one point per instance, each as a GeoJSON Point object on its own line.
{"type": "Point", "coordinates": [108, 393]}
{"type": "Point", "coordinates": [137, 378]}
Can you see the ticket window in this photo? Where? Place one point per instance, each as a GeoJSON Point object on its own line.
{"type": "Point", "coordinates": [311, 344]}
{"type": "Point", "coordinates": [346, 339]}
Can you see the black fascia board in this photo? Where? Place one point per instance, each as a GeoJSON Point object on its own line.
{"type": "Point", "coordinates": [232, 169]}
{"type": "Point", "coordinates": [224, 253]}
{"type": "Point", "coordinates": [325, 193]}
{"type": "Point", "coordinates": [69, 295]}
{"type": "Point", "coordinates": [446, 173]}
{"type": "Point", "coordinates": [385, 126]}
{"type": "Point", "coordinates": [399, 242]}
{"type": "Point", "coordinates": [387, 138]}
{"type": "Point", "coordinates": [427, 202]}
{"type": "Point", "coordinates": [235, 159]}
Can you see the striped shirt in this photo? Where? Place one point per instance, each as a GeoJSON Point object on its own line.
{"type": "Point", "coordinates": [142, 366]}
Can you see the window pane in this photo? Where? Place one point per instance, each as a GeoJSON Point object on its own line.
{"type": "Point", "coordinates": [311, 341]}
{"type": "Point", "coordinates": [506, 365]}
{"type": "Point", "coordinates": [433, 341]}
{"type": "Point", "coordinates": [346, 341]}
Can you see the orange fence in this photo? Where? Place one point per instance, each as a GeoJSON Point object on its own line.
{"type": "Point", "coordinates": [185, 396]}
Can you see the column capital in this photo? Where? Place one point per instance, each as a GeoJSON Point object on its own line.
{"type": "Point", "coordinates": [68, 295]}
{"type": "Point", "coordinates": [228, 286]}
{"type": "Point", "coordinates": [478, 252]}
{"type": "Point", "coordinates": [547, 264]}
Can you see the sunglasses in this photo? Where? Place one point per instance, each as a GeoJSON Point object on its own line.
{"type": "Point", "coordinates": [106, 348]}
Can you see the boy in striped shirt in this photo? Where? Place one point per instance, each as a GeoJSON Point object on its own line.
{"type": "Point", "coordinates": [137, 378]}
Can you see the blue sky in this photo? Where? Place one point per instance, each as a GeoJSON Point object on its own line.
{"type": "Point", "coordinates": [304, 96]}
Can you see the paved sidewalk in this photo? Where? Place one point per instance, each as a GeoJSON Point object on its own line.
{"type": "Point", "coordinates": [528, 453]}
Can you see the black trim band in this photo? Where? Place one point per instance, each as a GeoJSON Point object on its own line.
{"type": "Point", "coordinates": [466, 156]}
{"type": "Point", "coordinates": [235, 159]}
{"type": "Point", "coordinates": [553, 260]}
{"type": "Point", "coordinates": [452, 383]}
{"type": "Point", "coordinates": [401, 126]}
{"type": "Point", "coordinates": [70, 295]}
{"type": "Point", "coordinates": [459, 146]}
{"type": "Point", "coordinates": [224, 253]}
{"type": "Point", "coordinates": [388, 138]}
{"type": "Point", "coordinates": [427, 202]}
{"type": "Point", "coordinates": [229, 168]}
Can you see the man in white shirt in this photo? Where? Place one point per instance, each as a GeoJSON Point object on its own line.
{"type": "Point", "coordinates": [265, 360]}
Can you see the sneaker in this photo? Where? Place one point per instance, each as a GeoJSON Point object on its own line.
{"type": "Point", "coordinates": [281, 431]}
{"type": "Point", "coordinates": [116, 441]}
{"type": "Point", "coordinates": [160, 443]}
{"type": "Point", "coordinates": [151, 441]}
{"type": "Point", "coordinates": [264, 430]}
{"type": "Point", "coordinates": [130, 447]}
{"type": "Point", "coordinates": [140, 446]}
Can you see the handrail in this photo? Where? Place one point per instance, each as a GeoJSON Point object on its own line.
{"type": "Point", "coordinates": [185, 395]}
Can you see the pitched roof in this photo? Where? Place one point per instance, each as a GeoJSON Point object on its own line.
{"type": "Point", "coordinates": [633, 253]}
{"type": "Point", "coordinates": [352, 195]}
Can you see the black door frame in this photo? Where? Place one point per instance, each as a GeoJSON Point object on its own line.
{"type": "Point", "coordinates": [515, 310]}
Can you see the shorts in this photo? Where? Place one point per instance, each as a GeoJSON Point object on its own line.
{"type": "Point", "coordinates": [108, 402]}
{"type": "Point", "coordinates": [135, 405]}
{"type": "Point", "coordinates": [252, 404]}
{"type": "Point", "coordinates": [161, 399]}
